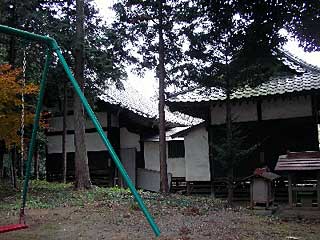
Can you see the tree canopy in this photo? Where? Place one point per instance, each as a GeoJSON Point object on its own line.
{"type": "Point", "coordinates": [149, 28]}
{"type": "Point", "coordinates": [104, 50]}
{"type": "Point", "coordinates": [138, 23]}
{"type": "Point", "coordinates": [299, 17]}
{"type": "Point", "coordinates": [10, 104]}
{"type": "Point", "coordinates": [243, 36]}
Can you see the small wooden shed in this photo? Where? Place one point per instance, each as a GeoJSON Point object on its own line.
{"type": "Point", "coordinates": [261, 187]}
{"type": "Point", "coordinates": [303, 170]}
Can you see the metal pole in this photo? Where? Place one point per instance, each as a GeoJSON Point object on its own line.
{"type": "Point", "coordinates": [25, 34]}
{"type": "Point", "coordinates": [54, 47]}
{"type": "Point", "coordinates": [107, 142]}
{"type": "Point", "coordinates": [34, 132]}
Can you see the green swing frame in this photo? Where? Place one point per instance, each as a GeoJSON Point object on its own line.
{"type": "Point", "coordinates": [53, 47]}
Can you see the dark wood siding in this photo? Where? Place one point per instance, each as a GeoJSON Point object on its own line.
{"type": "Point", "coordinates": [276, 138]}
{"type": "Point", "coordinates": [176, 149]}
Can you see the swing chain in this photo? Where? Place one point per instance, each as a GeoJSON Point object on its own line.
{"type": "Point", "coordinates": [24, 64]}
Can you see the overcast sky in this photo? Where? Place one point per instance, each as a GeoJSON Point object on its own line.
{"type": "Point", "coordinates": [148, 85]}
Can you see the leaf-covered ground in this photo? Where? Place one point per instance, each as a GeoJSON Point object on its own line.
{"type": "Point", "coordinates": [55, 211]}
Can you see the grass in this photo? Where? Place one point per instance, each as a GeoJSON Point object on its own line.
{"type": "Point", "coordinates": [192, 215]}
{"type": "Point", "coordinates": [43, 194]}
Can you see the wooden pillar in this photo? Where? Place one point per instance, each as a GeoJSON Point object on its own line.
{"type": "Point", "coordinates": [268, 194]}
{"type": "Point", "coordinates": [290, 190]}
{"type": "Point", "coordinates": [251, 194]}
{"type": "Point", "coordinates": [211, 164]}
{"type": "Point", "coordinates": [114, 181]}
{"type": "Point", "coordinates": [188, 188]}
{"type": "Point", "coordinates": [1, 164]}
{"type": "Point", "coordinates": [211, 157]}
{"type": "Point", "coordinates": [318, 189]}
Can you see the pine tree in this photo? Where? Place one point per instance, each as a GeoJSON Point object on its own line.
{"type": "Point", "coordinates": [82, 175]}
{"type": "Point", "coordinates": [148, 26]}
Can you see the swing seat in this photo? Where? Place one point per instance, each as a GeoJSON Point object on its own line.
{"type": "Point", "coordinates": [12, 227]}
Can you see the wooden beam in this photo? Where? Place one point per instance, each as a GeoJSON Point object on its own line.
{"type": "Point", "coordinates": [314, 107]}
{"type": "Point", "coordinates": [268, 195]}
{"type": "Point", "coordinates": [259, 110]}
{"type": "Point", "coordinates": [290, 190]}
{"type": "Point", "coordinates": [188, 188]}
{"type": "Point", "coordinates": [251, 194]}
{"type": "Point", "coordinates": [211, 154]}
{"type": "Point", "coordinates": [318, 189]}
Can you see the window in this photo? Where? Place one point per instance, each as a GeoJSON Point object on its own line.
{"type": "Point", "coordinates": [175, 149]}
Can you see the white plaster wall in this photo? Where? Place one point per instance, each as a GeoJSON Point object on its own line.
{"type": "Point", "coordinates": [286, 108]}
{"type": "Point", "coordinates": [102, 117]}
{"type": "Point", "coordinates": [245, 112]}
{"type": "Point", "coordinates": [176, 166]}
{"type": "Point", "coordinates": [151, 156]}
{"type": "Point", "coordinates": [55, 123]}
{"type": "Point", "coordinates": [54, 144]}
{"type": "Point", "coordinates": [150, 180]}
{"type": "Point", "coordinates": [197, 155]}
{"type": "Point", "coordinates": [129, 139]}
{"type": "Point", "coordinates": [93, 143]}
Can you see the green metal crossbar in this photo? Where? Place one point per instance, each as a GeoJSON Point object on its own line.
{"type": "Point", "coordinates": [53, 47]}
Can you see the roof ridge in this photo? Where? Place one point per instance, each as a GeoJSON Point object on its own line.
{"type": "Point", "coordinates": [131, 99]}
{"type": "Point", "coordinates": [170, 95]}
{"type": "Point", "coordinates": [286, 53]}
{"type": "Point", "coordinates": [299, 61]}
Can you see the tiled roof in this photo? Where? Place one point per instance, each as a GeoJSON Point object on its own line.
{"type": "Point", "coordinates": [132, 100]}
{"type": "Point", "coordinates": [307, 78]}
{"type": "Point", "coordinates": [298, 161]}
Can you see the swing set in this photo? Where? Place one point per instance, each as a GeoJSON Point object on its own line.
{"type": "Point", "coordinates": [53, 47]}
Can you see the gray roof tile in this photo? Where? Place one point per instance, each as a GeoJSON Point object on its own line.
{"type": "Point", "coordinates": [307, 78]}
{"type": "Point", "coordinates": [132, 100]}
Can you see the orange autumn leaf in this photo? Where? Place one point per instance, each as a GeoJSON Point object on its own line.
{"type": "Point", "coordinates": [10, 104]}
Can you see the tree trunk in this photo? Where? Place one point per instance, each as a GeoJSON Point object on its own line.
{"type": "Point", "coordinates": [13, 168]}
{"type": "Point", "coordinates": [2, 152]}
{"type": "Point", "coordinates": [36, 161]}
{"type": "Point", "coordinates": [11, 59]}
{"type": "Point", "coordinates": [21, 163]}
{"type": "Point", "coordinates": [1, 164]}
{"type": "Point", "coordinates": [229, 141]}
{"type": "Point", "coordinates": [82, 175]}
{"type": "Point", "coordinates": [162, 131]}
{"type": "Point", "coordinates": [230, 190]}
{"type": "Point", "coordinates": [64, 134]}
{"type": "Point", "coordinates": [211, 155]}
